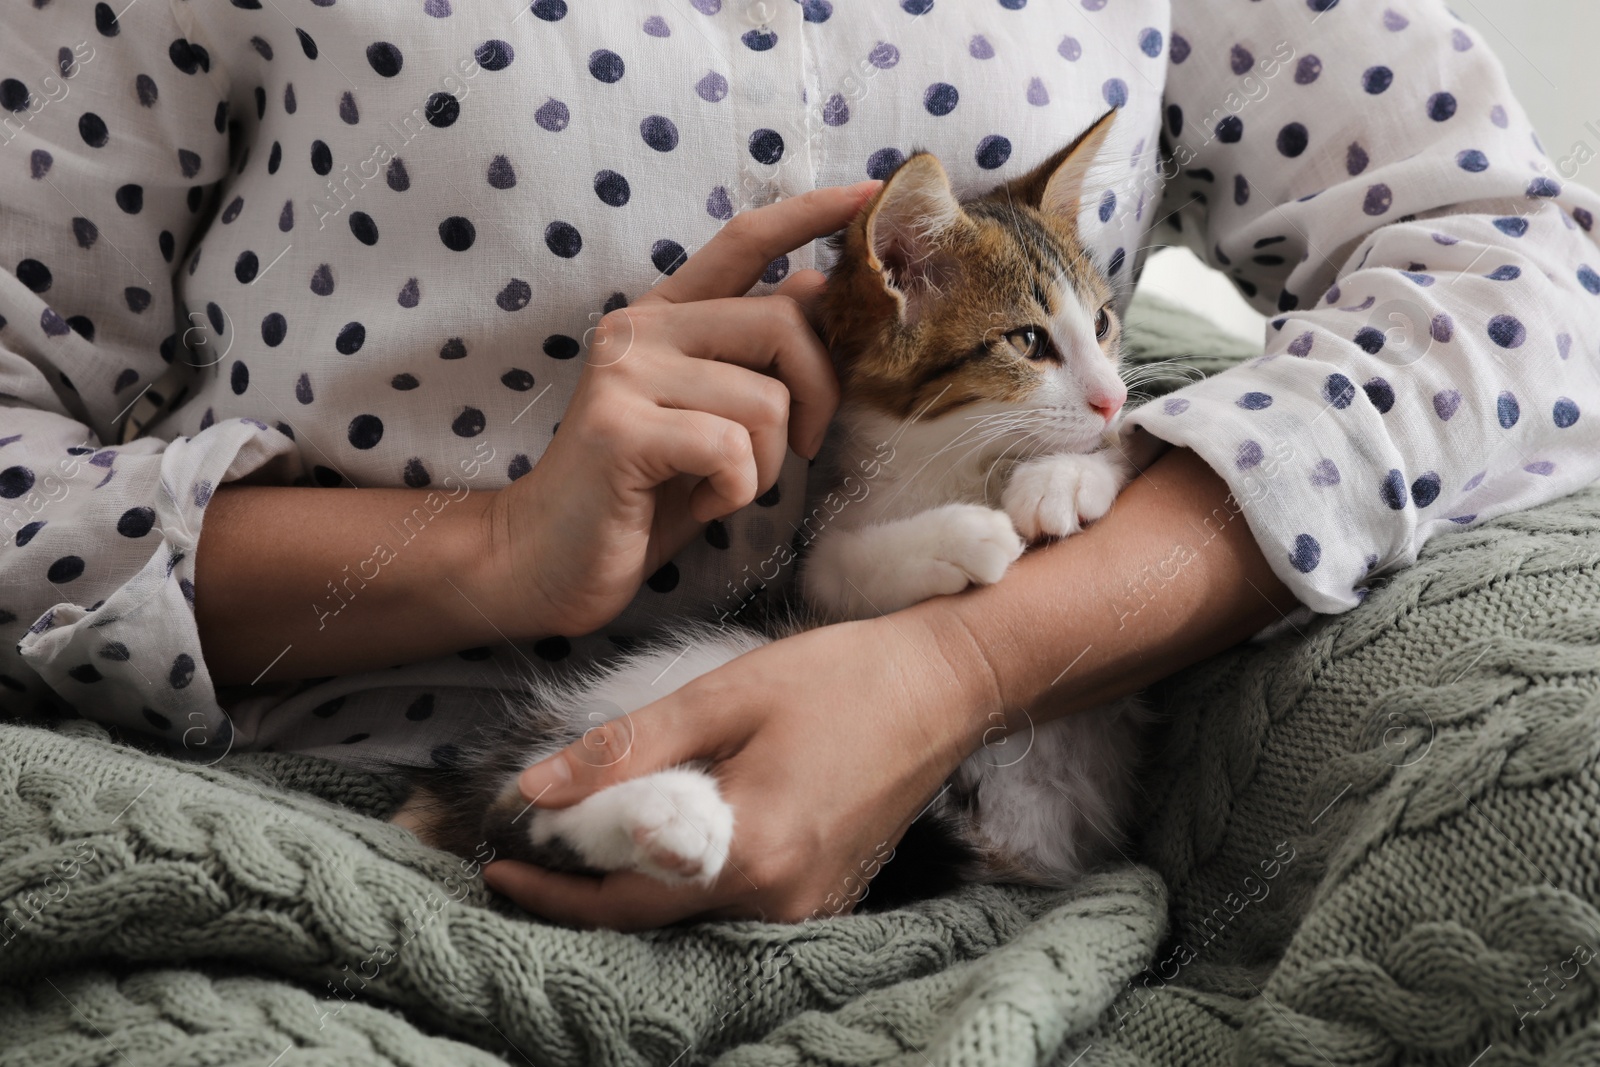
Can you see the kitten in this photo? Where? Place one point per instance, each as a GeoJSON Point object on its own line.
{"type": "Point", "coordinates": [976, 343]}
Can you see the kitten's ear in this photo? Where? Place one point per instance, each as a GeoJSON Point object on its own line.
{"type": "Point", "coordinates": [1055, 187]}
{"type": "Point", "coordinates": [905, 223]}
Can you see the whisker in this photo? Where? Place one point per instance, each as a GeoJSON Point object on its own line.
{"type": "Point", "coordinates": [953, 442]}
{"type": "Point", "coordinates": [1021, 421]}
{"type": "Point", "coordinates": [1000, 459]}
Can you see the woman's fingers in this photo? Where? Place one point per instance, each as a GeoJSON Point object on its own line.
{"type": "Point", "coordinates": [622, 900]}
{"type": "Point", "coordinates": [755, 401]}
{"type": "Point", "coordinates": [717, 449]}
{"type": "Point", "coordinates": [660, 735]}
{"type": "Point", "coordinates": [732, 261]}
{"type": "Point", "coordinates": [805, 288]}
{"type": "Point", "coordinates": [770, 334]}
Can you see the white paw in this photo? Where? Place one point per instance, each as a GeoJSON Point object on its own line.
{"type": "Point", "coordinates": [1054, 496]}
{"type": "Point", "coordinates": [681, 833]}
{"type": "Point", "coordinates": [673, 825]}
{"type": "Point", "coordinates": [858, 574]}
{"type": "Point", "coordinates": [973, 545]}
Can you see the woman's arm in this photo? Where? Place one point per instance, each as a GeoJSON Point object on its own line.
{"type": "Point", "coordinates": [1172, 575]}
{"type": "Point", "coordinates": [300, 582]}
{"type": "Point", "coordinates": [828, 744]}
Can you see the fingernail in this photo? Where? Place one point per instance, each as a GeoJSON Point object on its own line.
{"type": "Point", "coordinates": [543, 777]}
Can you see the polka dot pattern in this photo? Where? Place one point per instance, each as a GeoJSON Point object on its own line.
{"type": "Point", "coordinates": [433, 259]}
{"type": "Point", "coordinates": [1425, 347]}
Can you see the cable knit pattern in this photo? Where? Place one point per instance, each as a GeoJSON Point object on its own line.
{"type": "Point", "coordinates": [165, 1016]}
{"type": "Point", "coordinates": [1369, 842]}
{"type": "Point", "coordinates": [113, 855]}
{"type": "Point", "coordinates": [1441, 902]}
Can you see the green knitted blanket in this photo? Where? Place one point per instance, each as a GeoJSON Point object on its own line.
{"type": "Point", "coordinates": [1370, 843]}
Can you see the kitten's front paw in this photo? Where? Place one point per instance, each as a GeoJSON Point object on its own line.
{"type": "Point", "coordinates": [683, 832]}
{"type": "Point", "coordinates": [1054, 496]}
{"type": "Point", "coordinates": [672, 825]}
{"type": "Point", "coordinates": [975, 544]}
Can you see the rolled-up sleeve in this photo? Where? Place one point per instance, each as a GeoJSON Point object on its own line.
{"type": "Point", "coordinates": [113, 148]}
{"type": "Point", "coordinates": [1365, 176]}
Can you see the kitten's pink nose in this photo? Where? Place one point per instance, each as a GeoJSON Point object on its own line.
{"type": "Point", "coordinates": [1107, 404]}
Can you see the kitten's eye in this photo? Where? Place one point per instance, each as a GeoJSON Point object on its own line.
{"type": "Point", "coordinates": [1028, 341]}
{"type": "Point", "coordinates": [1102, 324]}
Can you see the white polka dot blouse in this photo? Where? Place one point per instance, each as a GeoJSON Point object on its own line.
{"type": "Point", "coordinates": [361, 243]}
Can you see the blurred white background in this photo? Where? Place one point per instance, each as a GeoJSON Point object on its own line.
{"type": "Point", "coordinates": [1551, 52]}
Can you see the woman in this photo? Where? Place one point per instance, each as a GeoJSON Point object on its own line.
{"type": "Point", "coordinates": [371, 242]}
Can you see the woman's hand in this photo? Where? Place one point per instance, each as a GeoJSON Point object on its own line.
{"type": "Point", "coordinates": [687, 405]}
{"type": "Point", "coordinates": [682, 413]}
{"type": "Point", "coordinates": [826, 745]}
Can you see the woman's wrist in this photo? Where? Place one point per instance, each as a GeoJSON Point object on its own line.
{"type": "Point", "coordinates": [476, 564]}
{"type": "Point", "coordinates": [966, 706]}
{"type": "Point", "coordinates": [303, 582]}
{"type": "Point", "coordinates": [491, 567]}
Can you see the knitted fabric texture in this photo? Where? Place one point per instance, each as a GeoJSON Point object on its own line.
{"type": "Point", "coordinates": [1368, 842]}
